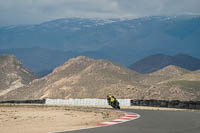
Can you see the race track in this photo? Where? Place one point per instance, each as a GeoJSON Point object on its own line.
{"type": "Point", "coordinates": [153, 122]}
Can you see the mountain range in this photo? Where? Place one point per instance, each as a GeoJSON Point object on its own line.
{"type": "Point", "coordinates": [84, 77]}
{"type": "Point", "coordinates": [121, 41]}
{"type": "Point", "coordinates": [81, 77]}
{"type": "Point", "coordinates": [158, 61]}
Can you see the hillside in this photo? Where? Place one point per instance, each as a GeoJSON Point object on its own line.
{"type": "Point", "coordinates": [184, 87]}
{"type": "Point", "coordinates": [40, 60]}
{"type": "Point", "coordinates": [83, 77]}
{"type": "Point", "coordinates": [163, 74]}
{"type": "Point", "coordinates": [158, 61]}
{"type": "Point", "coordinates": [13, 74]}
{"type": "Point", "coordinates": [43, 60]}
{"type": "Point", "coordinates": [170, 71]}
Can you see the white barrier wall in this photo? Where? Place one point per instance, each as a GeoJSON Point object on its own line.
{"type": "Point", "coordinates": [93, 102]}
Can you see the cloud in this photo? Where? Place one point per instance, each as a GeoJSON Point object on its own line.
{"type": "Point", "coordinates": [160, 7]}
{"type": "Point", "coordinates": [36, 11]}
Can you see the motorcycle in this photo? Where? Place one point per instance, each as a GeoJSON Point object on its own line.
{"type": "Point", "coordinates": [115, 104]}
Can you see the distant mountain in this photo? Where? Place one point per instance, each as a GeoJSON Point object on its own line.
{"type": "Point", "coordinates": [13, 74]}
{"type": "Point", "coordinates": [44, 73]}
{"type": "Point", "coordinates": [158, 61]}
{"type": "Point", "coordinates": [82, 77]}
{"type": "Point", "coordinates": [71, 34]}
{"type": "Point", "coordinates": [121, 41]}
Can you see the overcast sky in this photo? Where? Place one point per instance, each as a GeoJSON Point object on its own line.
{"type": "Point", "coordinates": [14, 12]}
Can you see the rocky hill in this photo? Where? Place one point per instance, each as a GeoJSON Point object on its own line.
{"type": "Point", "coordinates": [158, 61]}
{"type": "Point", "coordinates": [13, 74]}
{"type": "Point", "coordinates": [185, 87]}
{"type": "Point", "coordinates": [170, 71]}
{"type": "Point", "coordinates": [163, 74]}
{"type": "Point", "coordinates": [40, 60]}
{"type": "Point", "coordinates": [83, 77]}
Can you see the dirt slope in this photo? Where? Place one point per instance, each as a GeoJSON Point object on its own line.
{"type": "Point", "coordinates": [13, 74]}
{"type": "Point", "coordinates": [82, 77]}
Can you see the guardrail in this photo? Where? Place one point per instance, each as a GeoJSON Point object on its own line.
{"type": "Point", "coordinates": [103, 102]}
{"type": "Point", "coordinates": [167, 104]}
{"type": "Point", "coordinates": [42, 101]}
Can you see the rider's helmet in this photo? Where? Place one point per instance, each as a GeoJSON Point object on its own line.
{"type": "Point", "coordinates": [109, 95]}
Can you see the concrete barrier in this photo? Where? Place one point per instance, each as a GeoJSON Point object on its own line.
{"type": "Point", "coordinates": [86, 102]}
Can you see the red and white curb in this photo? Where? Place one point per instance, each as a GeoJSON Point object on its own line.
{"type": "Point", "coordinates": [129, 116]}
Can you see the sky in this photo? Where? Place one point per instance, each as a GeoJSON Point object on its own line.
{"type": "Point", "coordinates": [14, 12]}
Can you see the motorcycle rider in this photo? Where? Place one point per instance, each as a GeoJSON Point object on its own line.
{"type": "Point", "coordinates": [111, 99]}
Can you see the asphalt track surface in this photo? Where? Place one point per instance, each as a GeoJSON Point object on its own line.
{"type": "Point", "coordinates": [153, 122]}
